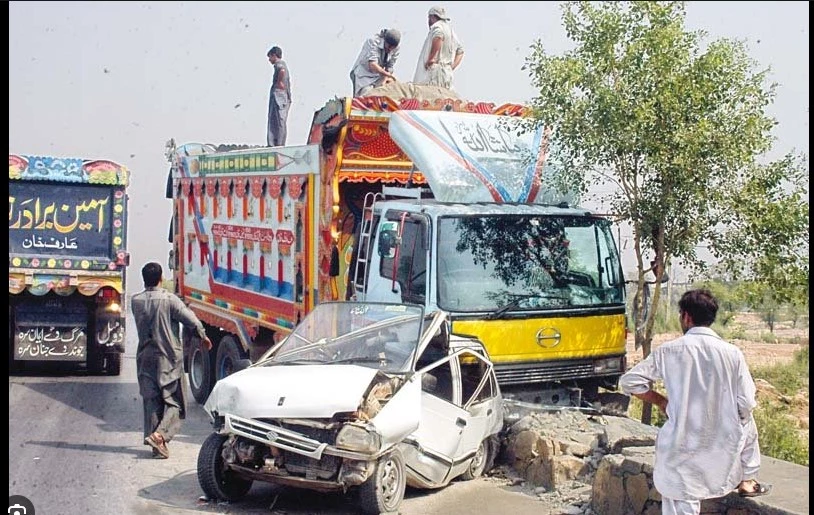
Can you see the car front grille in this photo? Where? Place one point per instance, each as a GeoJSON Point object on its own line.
{"type": "Point", "coordinates": [275, 435]}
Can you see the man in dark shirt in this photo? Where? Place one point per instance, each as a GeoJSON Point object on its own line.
{"type": "Point", "coordinates": [279, 99]}
{"type": "Point", "coordinates": [159, 358]}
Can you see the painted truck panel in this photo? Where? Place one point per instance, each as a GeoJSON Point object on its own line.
{"type": "Point", "coordinates": [67, 260]}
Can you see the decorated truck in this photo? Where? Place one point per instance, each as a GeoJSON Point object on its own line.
{"type": "Point", "coordinates": [402, 196]}
{"type": "Point", "coordinates": [67, 261]}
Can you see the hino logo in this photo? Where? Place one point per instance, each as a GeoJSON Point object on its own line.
{"type": "Point", "coordinates": [272, 435]}
{"type": "Point", "coordinates": [548, 337]}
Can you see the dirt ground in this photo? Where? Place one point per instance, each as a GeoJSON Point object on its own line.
{"type": "Point", "coordinates": [756, 350]}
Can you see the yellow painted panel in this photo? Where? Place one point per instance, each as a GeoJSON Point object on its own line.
{"type": "Point", "coordinates": [534, 339]}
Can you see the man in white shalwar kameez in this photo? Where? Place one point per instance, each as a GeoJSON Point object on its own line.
{"type": "Point", "coordinates": [442, 52]}
{"type": "Point", "coordinates": [708, 446]}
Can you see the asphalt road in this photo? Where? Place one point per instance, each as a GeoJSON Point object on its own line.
{"type": "Point", "coordinates": [75, 446]}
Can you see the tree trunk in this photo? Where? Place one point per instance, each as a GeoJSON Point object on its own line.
{"type": "Point", "coordinates": [647, 408]}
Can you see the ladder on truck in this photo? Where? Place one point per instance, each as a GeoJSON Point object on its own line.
{"type": "Point", "coordinates": [363, 245]}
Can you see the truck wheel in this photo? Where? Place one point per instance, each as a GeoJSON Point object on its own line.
{"type": "Point", "coordinates": [215, 479]}
{"type": "Point", "coordinates": [384, 490]}
{"type": "Point", "coordinates": [96, 360]}
{"type": "Point", "coordinates": [114, 364]}
{"type": "Point", "coordinates": [229, 354]}
{"type": "Point", "coordinates": [200, 371]}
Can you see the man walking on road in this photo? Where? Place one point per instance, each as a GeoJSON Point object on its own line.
{"type": "Point", "coordinates": [159, 358]}
{"type": "Point", "coordinates": [708, 446]}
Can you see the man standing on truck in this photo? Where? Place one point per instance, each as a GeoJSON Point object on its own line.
{"type": "Point", "coordinates": [376, 61]}
{"type": "Point", "coordinates": [442, 52]}
{"type": "Point", "coordinates": [279, 99]}
{"type": "Point", "coordinates": [159, 358]}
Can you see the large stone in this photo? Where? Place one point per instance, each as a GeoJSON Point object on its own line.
{"type": "Point", "coordinates": [566, 468]}
{"type": "Point", "coordinates": [538, 472]}
{"type": "Point", "coordinates": [608, 489]}
{"type": "Point", "coordinates": [625, 432]}
{"type": "Point", "coordinates": [653, 509]}
{"type": "Point", "coordinates": [575, 449]}
{"type": "Point", "coordinates": [524, 446]}
{"type": "Point", "coordinates": [547, 448]}
{"type": "Point", "coordinates": [637, 491]}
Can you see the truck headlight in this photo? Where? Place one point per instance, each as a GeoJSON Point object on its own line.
{"type": "Point", "coordinates": [603, 366]}
{"type": "Point", "coordinates": [358, 438]}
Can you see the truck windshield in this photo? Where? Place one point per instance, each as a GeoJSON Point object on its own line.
{"type": "Point", "coordinates": [507, 263]}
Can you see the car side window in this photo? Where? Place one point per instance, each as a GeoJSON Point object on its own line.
{"type": "Point", "coordinates": [437, 381]}
{"type": "Point", "coordinates": [473, 370]}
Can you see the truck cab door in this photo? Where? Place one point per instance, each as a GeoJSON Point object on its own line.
{"type": "Point", "coordinates": [400, 266]}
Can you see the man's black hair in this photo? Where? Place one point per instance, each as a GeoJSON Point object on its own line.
{"type": "Point", "coordinates": [151, 273]}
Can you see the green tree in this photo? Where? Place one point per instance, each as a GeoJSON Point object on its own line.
{"type": "Point", "coordinates": [674, 123]}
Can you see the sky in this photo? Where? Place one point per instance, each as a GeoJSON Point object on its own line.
{"type": "Point", "coordinates": [116, 80]}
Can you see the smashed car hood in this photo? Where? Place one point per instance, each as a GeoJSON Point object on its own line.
{"type": "Point", "coordinates": [291, 391]}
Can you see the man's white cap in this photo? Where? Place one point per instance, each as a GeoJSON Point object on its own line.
{"type": "Point", "coordinates": [438, 11]}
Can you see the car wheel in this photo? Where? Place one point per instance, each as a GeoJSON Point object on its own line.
{"type": "Point", "coordinates": [480, 462]}
{"type": "Point", "coordinates": [215, 479]}
{"type": "Point", "coordinates": [200, 371]}
{"type": "Point", "coordinates": [227, 357]}
{"type": "Point", "coordinates": [384, 490]}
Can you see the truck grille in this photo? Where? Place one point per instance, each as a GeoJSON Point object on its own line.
{"type": "Point", "coordinates": [514, 373]}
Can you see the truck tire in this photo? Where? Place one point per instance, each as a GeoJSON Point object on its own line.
{"type": "Point", "coordinates": [96, 360]}
{"type": "Point", "coordinates": [114, 364]}
{"type": "Point", "coordinates": [229, 353]}
{"type": "Point", "coordinates": [384, 490]}
{"type": "Point", "coordinates": [216, 481]}
{"type": "Point", "coordinates": [201, 373]}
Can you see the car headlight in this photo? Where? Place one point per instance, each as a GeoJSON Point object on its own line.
{"type": "Point", "coordinates": [358, 438]}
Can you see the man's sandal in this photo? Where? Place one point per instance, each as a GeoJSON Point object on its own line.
{"type": "Point", "coordinates": [759, 489]}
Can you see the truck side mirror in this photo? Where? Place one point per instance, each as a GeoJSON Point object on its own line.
{"type": "Point", "coordinates": [387, 244]}
{"type": "Point", "coordinates": [388, 239]}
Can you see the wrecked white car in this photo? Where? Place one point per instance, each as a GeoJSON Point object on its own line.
{"type": "Point", "coordinates": [368, 397]}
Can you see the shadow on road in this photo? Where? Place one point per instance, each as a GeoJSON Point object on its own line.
{"type": "Point", "coordinates": [112, 403]}
{"type": "Point", "coordinates": [182, 491]}
{"type": "Point", "coordinates": [116, 449]}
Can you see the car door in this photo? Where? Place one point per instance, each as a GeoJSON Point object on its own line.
{"type": "Point", "coordinates": [436, 441]}
{"type": "Point", "coordinates": [477, 400]}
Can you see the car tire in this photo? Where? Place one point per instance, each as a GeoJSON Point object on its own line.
{"type": "Point", "coordinates": [228, 355]}
{"type": "Point", "coordinates": [481, 462]}
{"type": "Point", "coordinates": [216, 481]}
{"type": "Point", "coordinates": [114, 364]}
{"type": "Point", "coordinates": [200, 371]}
{"type": "Point", "coordinates": [384, 489]}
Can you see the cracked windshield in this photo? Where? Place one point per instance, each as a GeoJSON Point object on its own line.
{"type": "Point", "coordinates": [382, 336]}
